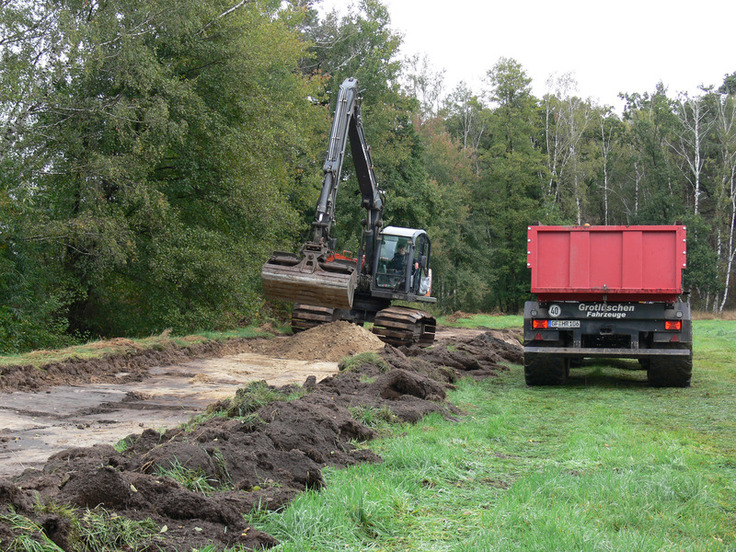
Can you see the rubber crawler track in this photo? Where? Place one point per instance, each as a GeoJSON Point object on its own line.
{"type": "Point", "coordinates": [395, 325]}
{"type": "Point", "coordinates": [405, 326]}
{"type": "Point", "coordinates": [304, 316]}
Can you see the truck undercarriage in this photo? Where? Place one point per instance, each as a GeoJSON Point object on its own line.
{"type": "Point", "coordinates": [559, 335]}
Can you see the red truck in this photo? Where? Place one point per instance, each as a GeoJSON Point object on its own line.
{"type": "Point", "coordinates": [607, 292]}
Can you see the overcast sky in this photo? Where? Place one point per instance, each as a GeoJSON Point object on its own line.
{"type": "Point", "coordinates": [609, 47]}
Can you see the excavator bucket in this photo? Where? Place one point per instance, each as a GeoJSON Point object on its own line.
{"type": "Point", "coordinates": [287, 277]}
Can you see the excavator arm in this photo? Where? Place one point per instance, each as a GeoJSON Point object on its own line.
{"type": "Point", "coordinates": [315, 276]}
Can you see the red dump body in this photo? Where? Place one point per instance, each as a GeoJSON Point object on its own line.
{"type": "Point", "coordinates": [611, 263]}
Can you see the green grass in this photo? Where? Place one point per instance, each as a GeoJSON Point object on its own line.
{"type": "Point", "coordinates": [193, 480]}
{"type": "Point", "coordinates": [492, 321]}
{"type": "Point", "coordinates": [603, 464]}
{"type": "Point", "coordinates": [257, 394]}
{"type": "Point", "coordinates": [373, 417]}
{"type": "Point", "coordinates": [91, 531]}
{"type": "Point", "coordinates": [31, 537]}
{"type": "Point", "coordinates": [352, 363]}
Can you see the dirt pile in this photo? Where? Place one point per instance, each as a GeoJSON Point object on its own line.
{"type": "Point", "coordinates": [264, 446]}
{"type": "Point", "coordinates": [331, 342]}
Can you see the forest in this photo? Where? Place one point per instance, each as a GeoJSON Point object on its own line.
{"type": "Point", "coordinates": [153, 153]}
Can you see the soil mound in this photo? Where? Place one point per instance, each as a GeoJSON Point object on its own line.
{"type": "Point", "coordinates": [331, 342]}
{"type": "Point", "coordinates": [256, 450]}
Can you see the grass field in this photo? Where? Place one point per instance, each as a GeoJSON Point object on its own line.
{"type": "Point", "coordinates": [604, 463]}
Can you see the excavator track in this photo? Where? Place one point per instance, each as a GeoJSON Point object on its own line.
{"type": "Point", "coordinates": [304, 316]}
{"type": "Point", "coordinates": [405, 326]}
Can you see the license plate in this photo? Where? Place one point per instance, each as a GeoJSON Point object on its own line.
{"type": "Point", "coordinates": [564, 324]}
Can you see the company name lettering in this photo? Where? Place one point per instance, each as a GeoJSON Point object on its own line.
{"type": "Point", "coordinates": [600, 310]}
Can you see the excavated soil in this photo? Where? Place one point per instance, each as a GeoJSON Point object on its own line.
{"type": "Point", "coordinates": [329, 342]}
{"type": "Point", "coordinates": [267, 445]}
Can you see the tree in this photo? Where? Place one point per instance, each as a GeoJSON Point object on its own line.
{"type": "Point", "coordinates": [467, 119]}
{"type": "Point", "coordinates": [725, 131]}
{"type": "Point", "coordinates": [507, 197]}
{"type": "Point", "coordinates": [650, 121]}
{"type": "Point", "coordinates": [566, 120]}
{"type": "Point", "coordinates": [423, 83]}
{"type": "Point", "coordinates": [694, 125]}
{"type": "Point", "coordinates": [607, 125]}
{"type": "Point", "coordinates": [171, 143]}
{"type": "Point", "coordinates": [34, 291]}
{"type": "Point", "coordinates": [459, 260]}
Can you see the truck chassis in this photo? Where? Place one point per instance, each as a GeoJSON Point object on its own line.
{"type": "Point", "coordinates": [558, 335]}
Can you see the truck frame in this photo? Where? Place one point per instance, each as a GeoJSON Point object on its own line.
{"type": "Point", "coordinates": [607, 292]}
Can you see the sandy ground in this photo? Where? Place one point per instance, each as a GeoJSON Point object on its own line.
{"type": "Point", "coordinates": [35, 425]}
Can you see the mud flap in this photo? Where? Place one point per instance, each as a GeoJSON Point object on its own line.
{"type": "Point", "coordinates": [286, 277]}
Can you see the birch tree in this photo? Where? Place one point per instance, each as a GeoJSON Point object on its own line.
{"type": "Point", "coordinates": [566, 119]}
{"type": "Point", "coordinates": [606, 126]}
{"type": "Point", "coordinates": [425, 84]}
{"type": "Point", "coordinates": [725, 131]}
{"type": "Point", "coordinates": [694, 125]}
{"type": "Point", "coordinates": [466, 118]}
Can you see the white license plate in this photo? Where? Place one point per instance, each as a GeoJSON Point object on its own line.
{"type": "Point", "coordinates": [564, 324]}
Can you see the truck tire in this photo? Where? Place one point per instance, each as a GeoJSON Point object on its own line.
{"type": "Point", "coordinates": [666, 371]}
{"type": "Point", "coordinates": [545, 370]}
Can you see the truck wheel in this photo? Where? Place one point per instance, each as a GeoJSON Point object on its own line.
{"type": "Point", "coordinates": [545, 370]}
{"type": "Point", "coordinates": [666, 371]}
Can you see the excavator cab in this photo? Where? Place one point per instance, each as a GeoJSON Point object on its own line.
{"type": "Point", "coordinates": [403, 262]}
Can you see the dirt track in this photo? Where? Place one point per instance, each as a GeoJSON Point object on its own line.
{"type": "Point", "coordinates": [35, 425]}
{"type": "Point", "coordinates": [282, 452]}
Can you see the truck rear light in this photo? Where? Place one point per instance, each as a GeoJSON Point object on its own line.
{"type": "Point", "coordinates": [540, 324]}
{"type": "Point", "coordinates": [675, 325]}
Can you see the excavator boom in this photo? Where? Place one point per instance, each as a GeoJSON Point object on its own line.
{"type": "Point", "coordinates": [314, 276]}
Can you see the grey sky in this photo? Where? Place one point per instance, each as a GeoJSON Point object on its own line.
{"type": "Point", "coordinates": [609, 47]}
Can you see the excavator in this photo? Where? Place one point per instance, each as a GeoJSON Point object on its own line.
{"type": "Point", "coordinates": [392, 263]}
